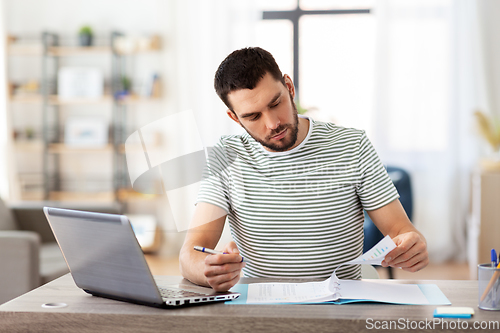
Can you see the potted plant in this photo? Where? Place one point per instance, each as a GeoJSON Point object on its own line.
{"type": "Point", "coordinates": [489, 128]}
{"type": "Point", "coordinates": [126, 85]}
{"type": "Point", "coordinates": [125, 88]}
{"type": "Point", "coordinates": [85, 36]}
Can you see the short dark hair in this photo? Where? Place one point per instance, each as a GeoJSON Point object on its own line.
{"type": "Point", "coordinates": [243, 69]}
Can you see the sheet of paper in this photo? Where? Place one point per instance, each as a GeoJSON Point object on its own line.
{"type": "Point", "coordinates": [317, 292]}
{"type": "Point", "coordinates": [382, 292]}
{"type": "Point", "coordinates": [260, 293]}
{"type": "Point", "coordinates": [376, 254]}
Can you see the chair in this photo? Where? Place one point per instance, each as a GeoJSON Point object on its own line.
{"type": "Point", "coordinates": [29, 254]}
{"type": "Point", "coordinates": [402, 182]}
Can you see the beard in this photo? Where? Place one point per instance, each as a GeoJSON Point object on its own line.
{"type": "Point", "coordinates": [291, 138]}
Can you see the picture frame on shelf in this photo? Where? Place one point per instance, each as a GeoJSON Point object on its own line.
{"type": "Point", "coordinates": [86, 132]}
{"type": "Point", "coordinates": [80, 83]}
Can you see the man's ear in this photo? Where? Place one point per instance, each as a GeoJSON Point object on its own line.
{"type": "Point", "coordinates": [233, 116]}
{"type": "Point", "coordinates": [289, 84]}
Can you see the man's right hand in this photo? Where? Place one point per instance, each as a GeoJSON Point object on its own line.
{"type": "Point", "coordinates": [222, 271]}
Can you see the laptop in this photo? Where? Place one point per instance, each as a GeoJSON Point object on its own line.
{"type": "Point", "coordinates": [105, 259]}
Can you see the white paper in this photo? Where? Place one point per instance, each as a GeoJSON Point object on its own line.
{"type": "Point", "coordinates": [330, 290]}
{"type": "Point", "coordinates": [382, 292]}
{"type": "Point", "coordinates": [259, 293]}
{"type": "Point", "coordinates": [376, 254]}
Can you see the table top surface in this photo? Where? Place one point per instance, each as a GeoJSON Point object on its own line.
{"type": "Point", "coordinates": [64, 290]}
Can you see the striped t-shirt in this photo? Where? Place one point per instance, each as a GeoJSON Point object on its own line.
{"type": "Point", "coordinates": [298, 213]}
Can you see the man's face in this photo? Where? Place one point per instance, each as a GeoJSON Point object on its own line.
{"type": "Point", "coordinates": [267, 113]}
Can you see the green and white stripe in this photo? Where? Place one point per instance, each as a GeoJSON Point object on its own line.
{"type": "Point", "coordinates": [298, 213]}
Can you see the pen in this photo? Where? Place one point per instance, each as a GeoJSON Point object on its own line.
{"type": "Point", "coordinates": [210, 251]}
{"type": "Point", "coordinates": [494, 264]}
{"type": "Point", "coordinates": [494, 278]}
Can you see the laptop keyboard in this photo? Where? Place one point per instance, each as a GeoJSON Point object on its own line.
{"type": "Point", "coordinates": [177, 293]}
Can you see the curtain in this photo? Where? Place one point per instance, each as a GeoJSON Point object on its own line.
{"type": "Point", "coordinates": [430, 80]}
{"type": "Point", "coordinates": [205, 33]}
{"type": "Point", "coordinates": [488, 43]}
{"type": "Point", "coordinates": [202, 34]}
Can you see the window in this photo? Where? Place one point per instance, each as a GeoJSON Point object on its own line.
{"type": "Point", "coordinates": [328, 48]}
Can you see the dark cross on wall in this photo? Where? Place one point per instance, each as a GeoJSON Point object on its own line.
{"type": "Point", "coordinates": [294, 16]}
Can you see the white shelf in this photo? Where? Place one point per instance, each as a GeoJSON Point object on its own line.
{"type": "Point", "coordinates": [65, 51]}
{"type": "Point", "coordinates": [61, 148]}
{"type": "Point", "coordinates": [133, 100]}
{"type": "Point", "coordinates": [27, 146]}
{"type": "Point", "coordinates": [26, 99]}
{"type": "Point", "coordinates": [25, 50]}
{"type": "Point", "coordinates": [82, 196]}
{"type": "Point", "coordinates": [55, 100]}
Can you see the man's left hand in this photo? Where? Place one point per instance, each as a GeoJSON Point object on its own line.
{"type": "Point", "coordinates": [410, 253]}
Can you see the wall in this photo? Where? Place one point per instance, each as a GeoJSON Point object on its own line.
{"type": "Point", "coordinates": [130, 16]}
{"type": "Point", "coordinates": [489, 11]}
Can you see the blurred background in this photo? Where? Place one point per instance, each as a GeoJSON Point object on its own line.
{"type": "Point", "coordinates": [77, 78]}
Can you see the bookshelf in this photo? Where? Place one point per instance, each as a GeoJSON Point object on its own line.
{"type": "Point", "coordinates": [46, 166]}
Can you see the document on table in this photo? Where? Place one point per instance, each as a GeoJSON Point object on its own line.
{"type": "Point", "coordinates": [345, 290]}
{"type": "Point", "coordinates": [290, 292]}
{"type": "Point", "coordinates": [333, 289]}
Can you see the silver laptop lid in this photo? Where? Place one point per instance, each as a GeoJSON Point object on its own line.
{"type": "Point", "coordinates": [103, 254]}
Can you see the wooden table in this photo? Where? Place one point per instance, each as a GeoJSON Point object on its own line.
{"type": "Point", "coordinates": [86, 313]}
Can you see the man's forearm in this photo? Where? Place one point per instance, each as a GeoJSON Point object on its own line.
{"type": "Point", "coordinates": [392, 220]}
{"type": "Point", "coordinates": [192, 266]}
{"type": "Point", "coordinates": [205, 230]}
{"type": "Point", "coordinates": [405, 227]}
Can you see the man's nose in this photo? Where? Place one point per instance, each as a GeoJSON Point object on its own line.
{"type": "Point", "coordinates": [272, 121]}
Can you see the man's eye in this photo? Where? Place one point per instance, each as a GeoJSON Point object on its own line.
{"type": "Point", "coordinates": [255, 117]}
{"type": "Point", "coordinates": [275, 104]}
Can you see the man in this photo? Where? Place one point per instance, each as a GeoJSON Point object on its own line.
{"type": "Point", "coordinates": [293, 189]}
